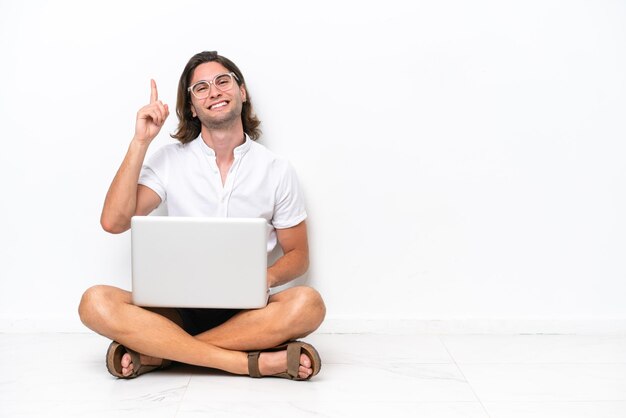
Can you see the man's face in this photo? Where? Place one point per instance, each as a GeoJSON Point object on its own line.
{"type": "Point", "coordinates": [221, 108]}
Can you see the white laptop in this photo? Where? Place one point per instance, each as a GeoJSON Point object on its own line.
{"type": "Point", "coordinates": [190, 262]}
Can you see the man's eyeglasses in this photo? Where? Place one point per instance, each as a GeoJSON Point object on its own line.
{"type": "Point", "coordinates": [222, 82]}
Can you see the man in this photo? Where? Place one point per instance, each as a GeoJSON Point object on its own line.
{"type": "Point", "coordinates": [216, 170]}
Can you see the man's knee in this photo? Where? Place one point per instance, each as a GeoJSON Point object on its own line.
{"type": "Point", "coordinates": [96, 305]}
{"type": "Point", "coordinates": [308, 307]}
{"type": "Point", "coordinates": [310, 299]}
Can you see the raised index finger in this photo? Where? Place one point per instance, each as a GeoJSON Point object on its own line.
{"type": "Point", "coordinates": [154, 94]}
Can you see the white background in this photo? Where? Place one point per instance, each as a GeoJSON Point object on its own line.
{"type": "Point", "coordinates": [462, 161]}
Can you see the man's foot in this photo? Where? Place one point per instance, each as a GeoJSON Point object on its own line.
{"type": "Point", "coordinates": [276, 362]}
{"type": "Point", "coordinates": [127, 363]}
{"type": "Point", "coordinates": [295, 360]}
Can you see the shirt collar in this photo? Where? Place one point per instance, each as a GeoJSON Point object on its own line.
{"type": "Point", "coordinates": [238, 151]}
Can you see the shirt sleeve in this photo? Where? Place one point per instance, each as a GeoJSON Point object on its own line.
{"type": "Point", "coordinates": [154, 173]}
{"type": "Point", "coordinates": [289, 209]}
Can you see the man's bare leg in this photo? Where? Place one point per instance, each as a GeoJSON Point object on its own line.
{"type": "Point", "coordinates": [291, 314]}
{"type": "Point", "coordinates": [109, 312]}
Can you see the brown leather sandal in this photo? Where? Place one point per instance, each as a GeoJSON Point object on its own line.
{"type": "Point", "coordinates": [114, 362]}
{"type": "Point", "coordinates": [294, 350]}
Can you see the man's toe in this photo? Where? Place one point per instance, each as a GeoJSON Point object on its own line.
{"type": "Point", "coordinates": [305, 361]}
{"type": "Point", "coordinates": [127, 365]}
{"type": "Point", "coordinates": [126, 360]}
{"type": "Point", "coordinates": [127, 371]}
{"type": "Point", "coordinates": [304, 372]}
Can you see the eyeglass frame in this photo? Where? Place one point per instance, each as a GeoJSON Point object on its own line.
{"type": "Point", "coordinates": [212, 82]}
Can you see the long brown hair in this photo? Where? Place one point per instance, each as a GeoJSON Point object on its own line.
{"type": "Point", "coordinates": [188, 126]}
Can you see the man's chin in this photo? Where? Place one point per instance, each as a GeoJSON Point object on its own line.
{"type": "Point", "coordinates": [220, 122]}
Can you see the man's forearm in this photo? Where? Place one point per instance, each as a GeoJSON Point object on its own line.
{"type": "Point", "coordinates": [121, 199]}
{"type": "Point", "coordinates": [288, 267]}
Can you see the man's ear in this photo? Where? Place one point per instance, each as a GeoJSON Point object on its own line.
{"type": "Point", "coordinates": [244, 95]}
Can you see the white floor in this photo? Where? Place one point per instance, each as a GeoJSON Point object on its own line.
{"type": "Point", "coordinates": [63, 375]}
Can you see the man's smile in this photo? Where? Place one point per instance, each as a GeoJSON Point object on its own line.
{"type": "Point", "coordinates": [218, 105]}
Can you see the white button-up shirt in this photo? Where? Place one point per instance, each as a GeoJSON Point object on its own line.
{"type": "Point", "coordinates": [259, 184]}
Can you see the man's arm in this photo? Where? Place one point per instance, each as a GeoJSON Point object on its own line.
{"type": "Point", "coordinates": [125, 198]}
{"type": "Point", "coordinates": [295, 259]}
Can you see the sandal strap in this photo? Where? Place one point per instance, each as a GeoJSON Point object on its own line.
{"type": "Point", "coordinates": [293, 359]}
{"type": "Point", "coordinates": [253, 364]}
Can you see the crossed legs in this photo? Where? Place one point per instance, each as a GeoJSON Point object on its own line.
{"type": "Point", "coordinates": [291, 314]}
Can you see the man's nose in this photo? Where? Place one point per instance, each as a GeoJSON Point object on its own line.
{"type": "Point", "coordinates": [213, 91]}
